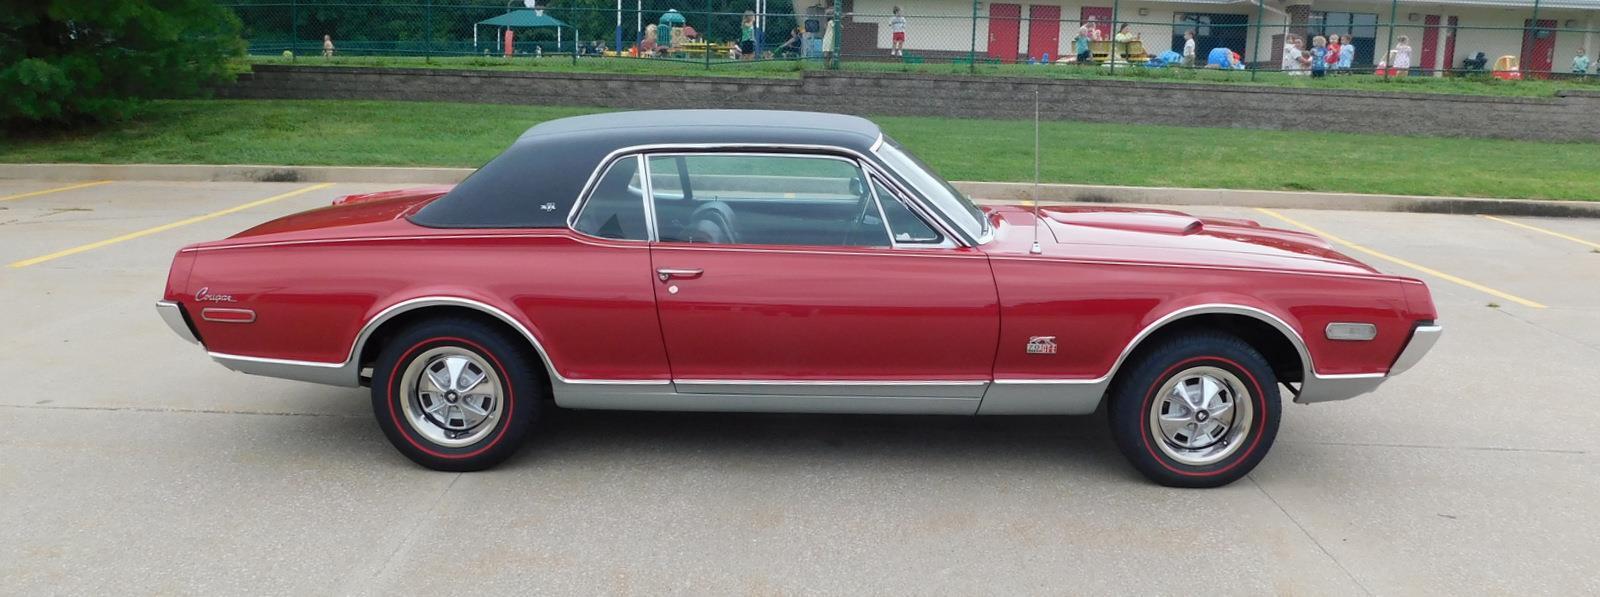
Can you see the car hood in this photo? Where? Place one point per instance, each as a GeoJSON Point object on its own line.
{"type": "Point", "coordinates": [1156, 235]}
{"type": "Point", "coordinates": [347, 211]}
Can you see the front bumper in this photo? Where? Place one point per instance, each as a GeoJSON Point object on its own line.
{"type": "Point", "coordinates": [1327, 388]}
{"type": "Point", "coordinates": [172, 313]}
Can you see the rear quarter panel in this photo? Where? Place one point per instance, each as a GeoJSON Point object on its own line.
{"type": "Point", "coordinates": [589, 303]}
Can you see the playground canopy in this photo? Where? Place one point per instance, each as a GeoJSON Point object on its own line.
{"type": "Point", "coordinates": [523, 19]}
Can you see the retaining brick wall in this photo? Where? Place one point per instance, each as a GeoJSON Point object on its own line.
{"type": "Point", "coordinates": [1572, 116]}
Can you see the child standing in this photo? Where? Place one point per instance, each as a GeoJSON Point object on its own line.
{"type": "Point", "coordinates": [1580, 63]}
{"type": "Point", "coordinates": [747, 36]}
{"type": "Point", "coordinates": [1086, 33]}
{"type": "Point", "coordinates": [1319, 57]}
{"type": "Point", "coordinates": [1188, 49]}
{"type": "Point", "coordinates": [1334, 43]}
{"type": "Point", "coordinates": [897, 28]}
{"type": "Point", "coordinates": [1400, 57]}
{"type": "Point", "coordinates": [1291, 55]}
{"type": "Point", "coordinates": [1347, 56]}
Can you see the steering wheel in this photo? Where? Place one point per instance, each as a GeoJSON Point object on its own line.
{"type": "Point", "coordinates": [711, 223]}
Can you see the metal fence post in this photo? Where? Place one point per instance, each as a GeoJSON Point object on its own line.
{"type": "Point", "coordinates": [1533, 28]}
{"type": "Point", "coordinates": [1261, 23]}
{"type": "Point", "coordinates": [972, 55]}
{"type": "Point", "coordinates": [294, 29]}
{"type": "Point", "coordinates": [1116, 13]}
{"type": "Point", "coordinates": [427, 44]}
{"type": "Point", "coordinates": [1394, 15]}
{"type": "Point", "coordinates": [705, 36]}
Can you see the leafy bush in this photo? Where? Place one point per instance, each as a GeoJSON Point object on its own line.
{"type": "Point", "coordinates": [71, 61]}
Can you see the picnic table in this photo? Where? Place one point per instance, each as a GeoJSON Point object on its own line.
{"type": "Point", "coordinates": [1133, 51]}
{"type": "Point", "coordinates": [699, 48]}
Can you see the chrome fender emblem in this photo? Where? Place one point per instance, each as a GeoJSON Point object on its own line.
{"type": "Point", "coordinates": [204, 296]}
{"type": "Point", "coordinates": [1042, 345]}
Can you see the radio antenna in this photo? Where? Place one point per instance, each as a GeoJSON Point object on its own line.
{"type": "Point", "coordinates": [1036, 248]}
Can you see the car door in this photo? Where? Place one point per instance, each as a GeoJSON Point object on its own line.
{"type": "Point", "coordinates": [777, 276]}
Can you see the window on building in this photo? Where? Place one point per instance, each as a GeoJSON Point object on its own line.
{"type": "Point", "coordinates": [1360, 26]}
{"type": "Point", "coordinates": [1211, 31]}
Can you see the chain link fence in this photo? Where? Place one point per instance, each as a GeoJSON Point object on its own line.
{"type": "Point", "coordinates": [1507, 39]}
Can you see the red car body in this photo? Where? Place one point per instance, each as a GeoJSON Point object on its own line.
{"type": "Point", "coordinates": [941, 329]}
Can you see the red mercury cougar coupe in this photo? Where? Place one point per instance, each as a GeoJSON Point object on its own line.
{"type": "Point", "coordinates": [794, 262]}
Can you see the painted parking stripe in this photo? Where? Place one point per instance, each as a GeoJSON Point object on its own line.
{"type": "Point", "coordinates": [1592, 245]}
{"type": "Point", "coordinates": [165, 227]}
{"type": "Point", "coordinates": [1401, 262]}
{"type": "Point", "coordinates": [84, 185]}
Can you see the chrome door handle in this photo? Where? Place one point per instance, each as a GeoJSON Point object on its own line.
{"type": "Point", "coordinates": [668, 273]}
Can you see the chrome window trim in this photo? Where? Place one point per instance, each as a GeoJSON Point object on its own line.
{"type": "Point", "coordinates": [594, 184]}
{"type": "Point", "coordinates": [919, 201]}
{"type": "Point", "coordinates": [878, 202]}
{"type": "Point", "coordinates": [946, 219]}
{"type": "Point", "coordinates": [857, 163]}
{"type": "Point", "coordinates": [944, 242]}
{"type": "Point", "coordinates": [647, 195]}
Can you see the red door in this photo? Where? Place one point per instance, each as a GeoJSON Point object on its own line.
{"type": "Point", "coordinates": [1101, 16]}
{"type": "Point", "coordinates": [1430, 43]}
{"type": "Point", "coordinates": [1044, 31]}
{"type": "Point", "coordinates": [1005, 30]}
{"type": "Point", "coordinates": [1450, 44]}
{"type": "Point", "coordinates": [1538, 48]}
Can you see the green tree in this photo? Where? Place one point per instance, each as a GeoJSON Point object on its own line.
{"type": "Point", "coordinates": [71, 61]}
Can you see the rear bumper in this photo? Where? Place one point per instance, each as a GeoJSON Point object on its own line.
{"type": "Point", "coordinates": [172, 313]}
{"type": "Point", "coordinates": [1327, 388]}
{"type": "Point", "coordinates": [1422, 341]}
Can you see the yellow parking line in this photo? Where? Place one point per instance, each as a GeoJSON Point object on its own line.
{"type": "Point", "coordinates": [1539, 230]}
{"type": "Point", "coordinates": [1398, 261]}
{"type": "Point", "coordinates": [164, 227]}
{"type": "Point", "coordinates": [55, 190]}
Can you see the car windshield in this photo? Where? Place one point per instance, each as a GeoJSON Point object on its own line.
{"type": "Point", "coordinates": [956, 206]}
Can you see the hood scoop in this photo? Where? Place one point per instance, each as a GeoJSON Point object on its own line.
{"type": "Point", "coordinates": [1147, 222]}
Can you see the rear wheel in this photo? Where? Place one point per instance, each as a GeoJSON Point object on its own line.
{"type": "Point", "coordinates": [1198, 410]}
{"type": "Point", "coordinates": [456, 394]}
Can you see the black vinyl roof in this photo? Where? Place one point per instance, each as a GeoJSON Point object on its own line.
{"type": "Point", "coordinates": [534, 183]}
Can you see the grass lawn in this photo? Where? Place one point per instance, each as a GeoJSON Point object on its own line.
{"type": "Point", "coordinates": [1479, 85]}
{"type": "Point", "coordinates": [361, 133]}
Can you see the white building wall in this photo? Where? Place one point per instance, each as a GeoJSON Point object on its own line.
{"type": "Point", "coordinates": [1494, 31]}
{"type": "Point", "coordinates": [946, 25]}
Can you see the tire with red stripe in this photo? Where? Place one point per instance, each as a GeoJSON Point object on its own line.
{"type": "Point", "coordinates": [456, 394]}
{"type": "Point", "coordinates": [1199, 409]}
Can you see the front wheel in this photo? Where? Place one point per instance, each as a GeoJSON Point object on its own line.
{"type": "Point", "coordinates": [455, 394]}
{"type": "Point", "coordinates": [1198, 410]}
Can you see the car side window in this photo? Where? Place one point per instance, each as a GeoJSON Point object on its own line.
{"type": "Point", "coordinates": [764, 199]}
{"type": "Point", "coordinates": [906, 226]}
{"type": "Point", "coordinates": [615, 209]}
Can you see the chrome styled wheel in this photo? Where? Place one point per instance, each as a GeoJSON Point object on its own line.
{"type": "Point", "coordinates": [1201, 415]}
{"type": "Point", "coordinates": [451, 396]}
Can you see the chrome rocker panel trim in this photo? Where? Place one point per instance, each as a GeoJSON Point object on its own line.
{"type": "Point", "coordinates": [172, 313]}
{"type": "Point", "coordinates": [1000, 397]}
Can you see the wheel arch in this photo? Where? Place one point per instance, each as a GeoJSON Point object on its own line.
{"type": "Point", "coordinates": [1282, 346]}
{"type": "Point", "coordinates": [395, 318]}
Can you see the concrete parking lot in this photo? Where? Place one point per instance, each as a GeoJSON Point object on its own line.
{"type": "Point", "coordinates": [130, 463]}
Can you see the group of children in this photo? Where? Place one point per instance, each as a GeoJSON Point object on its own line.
{"type": "Point", "coordinates": [1331, 53]}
